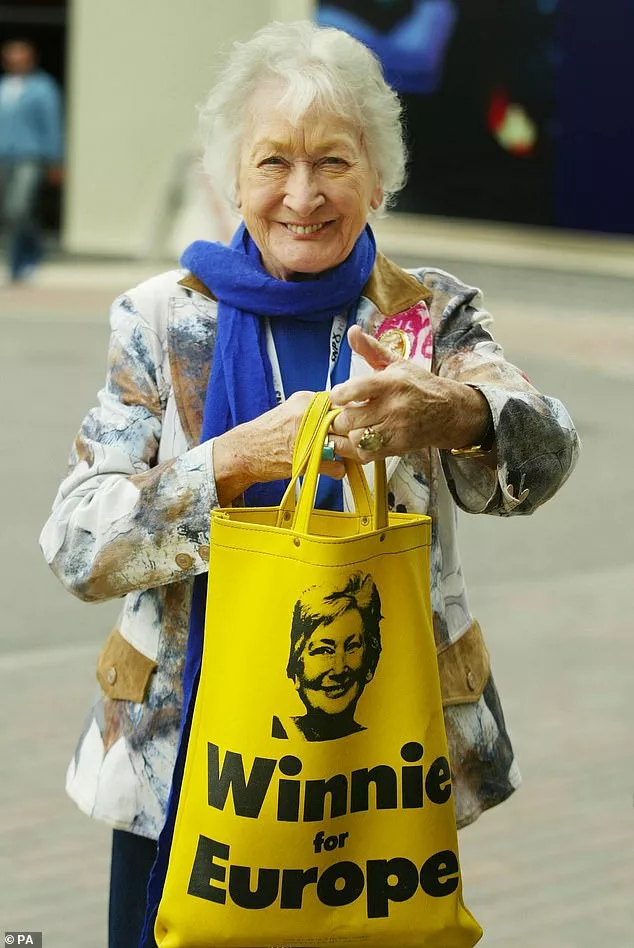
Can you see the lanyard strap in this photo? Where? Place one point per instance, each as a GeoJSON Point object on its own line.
{"type": "Point", "coordinates": [337, 333]}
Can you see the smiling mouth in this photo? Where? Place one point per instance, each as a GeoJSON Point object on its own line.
{"type": "Point", "coordinates": [303, 229]}
{"type": "Point", "coordinates": [336, 691]}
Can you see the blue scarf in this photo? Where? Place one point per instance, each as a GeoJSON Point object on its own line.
{"type": "Point", "coordinates": [241, 383]}
{"type": "Point", "coordinates": [240, 389]}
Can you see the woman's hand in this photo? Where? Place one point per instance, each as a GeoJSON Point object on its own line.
{"type": "Point", "coordinates": [262, 450]}
{"type": "Point", "coordinates": [407, 406]}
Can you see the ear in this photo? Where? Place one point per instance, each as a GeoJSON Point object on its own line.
{"type": "Point", "coordinates": [237, 197]}
{"type": "Point", "coordinates": [376, 198]}
{"type": "Point", "coordinates": [296, 682]}
{"type": "Point", "coordinates": [369, 675]}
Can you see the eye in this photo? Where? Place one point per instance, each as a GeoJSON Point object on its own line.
{"type": "Point", "coordinates": [321, 650]}
{"type": "Point", "coordinates": [352, 646]}
{"type": "Point", "coordinates": [334, 160]}
{"type": "Point", "coordinates": [273, 161]}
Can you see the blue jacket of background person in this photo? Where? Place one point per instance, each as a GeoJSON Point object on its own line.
{"type": "Point", "coordinates": [31, 125]}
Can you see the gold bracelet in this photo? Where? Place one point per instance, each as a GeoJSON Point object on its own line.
{"type": "Point", "coordinates": [472, 452]}
{"type": "Point", "coordinates": [481, 450]}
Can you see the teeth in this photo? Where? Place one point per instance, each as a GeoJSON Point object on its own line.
{"type": "Point", "coordinates": [299, 229]}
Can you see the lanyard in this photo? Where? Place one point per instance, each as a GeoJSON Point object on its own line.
{"type": "Point", "coordinates": [337, 332]}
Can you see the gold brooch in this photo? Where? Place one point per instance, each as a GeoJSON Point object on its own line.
{"type": "Point", "coordinates": [397, 341]}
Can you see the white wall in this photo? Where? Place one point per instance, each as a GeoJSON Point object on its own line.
{"type": "Point", "coordinates": [137, 70]}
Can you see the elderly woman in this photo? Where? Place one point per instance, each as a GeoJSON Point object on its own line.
{"type": "Point", "coordinates": [307, 137]}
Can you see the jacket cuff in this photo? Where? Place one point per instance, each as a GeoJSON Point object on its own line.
{"type": "Point", "coordinates": [537, 447]}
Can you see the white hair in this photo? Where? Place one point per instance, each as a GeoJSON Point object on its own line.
{"type": "Point", "coordinates": [318, 65]}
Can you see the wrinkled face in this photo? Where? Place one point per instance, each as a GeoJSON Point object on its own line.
{"type": "Point", "coordinates": [304, 191]}
{"type": "Point", "coordinates": [18, 58]}
{"type": "Point", "coordinates": [332, 664]}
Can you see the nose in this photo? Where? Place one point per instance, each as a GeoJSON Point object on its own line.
{"type": "Point", "coordinates": [339, 666]}
{"type": "Point", "coordinates": [303, 192]}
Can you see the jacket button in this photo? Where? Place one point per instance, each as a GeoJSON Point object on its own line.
{"type": "Point", "coordinates": [203, 552]}
{"type": "Point", "coordinates": [111, 675]}
{"type": "Point", "coordinates": [471, 682]}
{"type": "Point", "coordinates": [184, 560]}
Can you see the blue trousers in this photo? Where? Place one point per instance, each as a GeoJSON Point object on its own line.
{"type": "Point", "coordinates": [20, 188]}
{"type": "Point", "coordinates": [132, 860]}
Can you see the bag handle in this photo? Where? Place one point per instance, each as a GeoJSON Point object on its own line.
{"type": "Point", "coordinates": [307, 459]}
{"type": "Point", "coordinates": [309, 426]}
{"type": "Point", "coordinates": [306, 440]}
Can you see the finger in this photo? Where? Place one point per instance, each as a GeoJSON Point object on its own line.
{"type": "Point", "coordinates": [347, 448]}
{"type": "Point", "coordinates": [336, 469]}
{"type": "Point", "coordinates": [370, 349]}
{"type": "Point", "coordinates": [398, 376]}
{"type": "Point", "coordinates": [382, 451]}
{"type": "Point", "coordinates": [354, 390]}
{"type": "Point", "coordinates": [366, 457]}
{"type": "Point", "coordinates": [343, 446]}
{"type": "Point", "coordinates": [364, 388]}
{"type": "Point", "coordinates": [366, 415]}
{"type": "Point", "coordinates": [350, 453]}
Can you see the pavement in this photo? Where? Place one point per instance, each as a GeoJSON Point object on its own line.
{"type": "Point", "coordinates": [554, 866]}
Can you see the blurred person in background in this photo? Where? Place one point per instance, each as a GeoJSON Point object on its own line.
{"type": "Point", "coordinates": [210, 370]}
{"type": "Point", "coordinates": [30, 152]}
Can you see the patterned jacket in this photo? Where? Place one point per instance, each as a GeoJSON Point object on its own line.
{"type": "Point", "coordinates": [131, 520]}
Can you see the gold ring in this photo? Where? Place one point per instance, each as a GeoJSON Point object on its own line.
{"type": "Point", "coordinates": [371, 440]}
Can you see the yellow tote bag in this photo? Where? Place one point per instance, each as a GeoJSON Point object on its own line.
{"type": "Point", "coordinates": [316, 805]}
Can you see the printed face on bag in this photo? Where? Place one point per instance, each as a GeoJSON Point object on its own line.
{"type": "Point", "coordinates": [335, 648]}
{"type": "Point", "coordinates": [332, 665]}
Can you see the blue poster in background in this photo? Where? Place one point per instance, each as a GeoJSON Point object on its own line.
{"type": "Point", "coordinates": [512, 106]}
{"type": "Point", "coordinates": [410, 39]}
{"type": "Point", "coordinates": [595, 140]}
